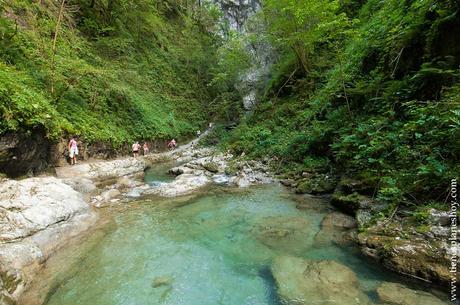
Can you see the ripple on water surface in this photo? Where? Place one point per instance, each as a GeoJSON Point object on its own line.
{"type": "Point", "coordinates": [215, 250]}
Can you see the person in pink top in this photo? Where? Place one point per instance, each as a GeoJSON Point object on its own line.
{"type": "Point", "coordinates": [73, 150]}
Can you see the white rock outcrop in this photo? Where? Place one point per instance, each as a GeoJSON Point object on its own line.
{"type": "Point", "coordinates": [37, 216]}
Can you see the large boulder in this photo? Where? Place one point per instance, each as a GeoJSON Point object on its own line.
{"type": "Point", "coordinates": [305, 282]}
{"type": "Point", "coordinates": [397, 294]}
{"type": "Point", "coordinates": [184, 184]}
{"type": "Point", "coordinates": [407, 253]}
{"type": "Point", "coordinates": [37, 216]}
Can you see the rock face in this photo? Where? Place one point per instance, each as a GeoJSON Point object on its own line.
{"type": "Point", "coordinates": [304, 282]}
{"type": "Point", "coordinates": [37, 216]}
{"type": "Point", "coordinates": [407, 252]}
{"type": "Point", "coordinates": [237, 12]}
{"type": "Point", "coordinates": [21, 154]}
{"type": "Point", "coordinates": [397, 294]}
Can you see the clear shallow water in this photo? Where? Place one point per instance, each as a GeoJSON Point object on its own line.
{"type": "Point", "coordinates": [211, 250]}
{"type": "Point", "coordinates": [159, 173]}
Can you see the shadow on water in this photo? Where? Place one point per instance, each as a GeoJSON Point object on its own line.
{"type": "Point", "coordinates": [272, 295]}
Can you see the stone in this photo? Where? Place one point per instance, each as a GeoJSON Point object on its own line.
{"type": "Point", "coordinates": [397, 294]}
{"type": "Point", "coordinates": [38, 215]}
{"type": "Point", "coordinates": [439, 218]}
{"type": "Point", "coordinates": [220, 179]}
{"type": "Point", "coordinates": [125, 182]}
{"type": "Point", "coordinates": [351, 203]}
{"type": "Point", "coordinates": [289, 234]}
{"type": "Point", "coordinates": [81, 185]}
{"type": "Point", "coordinates": [110, 194]}
{"type": "Point", "coordinates": [211, 167]}
{"type": "Point", "coordinates": [350, 186]}
{"type": "Point", "coordinates": [183, 185]}
{"type": "Point", "coordinates": [316, 185]}
{"type": "Point", "coordinates": [21, 154]}
{"type": "Point", "coordinates": [413, 255]}
{"type": "Point", "coordinates": [338, 220]}
{"type": "Point", "coordinates": [304, 282]}
{"type": "Point", "coordinates": [335, 229]}
{"type": "Point", "coordinates": [162, 281]}
{"type": "Point", "coordinates": [103, 171]}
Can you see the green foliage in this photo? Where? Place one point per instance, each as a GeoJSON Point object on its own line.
{"type": "Point", "coordinates": [379, 97]}
{"type": "Point", "coordinates": [122, 70]}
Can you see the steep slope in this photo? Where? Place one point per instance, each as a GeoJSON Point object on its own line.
{"type": "Point", "coordinates": [110, 72]}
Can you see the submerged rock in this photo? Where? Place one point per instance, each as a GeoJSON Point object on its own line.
{"type": "Point", "coordinates": [336, 228]}
{"type": "Point", "coordinates": [162, 281]}
{"type": "Point", "coordinates": [397, 294]}
{"type": "Point", "coordinates": [305, 282]}
{"type": "Point", "coordinates": [289, 234]}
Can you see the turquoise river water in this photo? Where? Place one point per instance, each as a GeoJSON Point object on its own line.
{"type": "Point", "coordinates": [212, 249]}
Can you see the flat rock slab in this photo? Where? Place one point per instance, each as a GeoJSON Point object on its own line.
{"type": "Point", "coordinates": [100, 171]}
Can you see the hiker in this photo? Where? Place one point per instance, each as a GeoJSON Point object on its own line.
{"type": "Point", "coordinates": [146, 148]}
{"type": "Point", "coordinates": [136, 146]}
{"type": "Point", "coordinates": [172, 144]}
{"type": "Point", "coordinates": [73, 150]}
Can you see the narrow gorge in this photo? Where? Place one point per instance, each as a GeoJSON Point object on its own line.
{"type": "Point", "coordinates": [316, 159]}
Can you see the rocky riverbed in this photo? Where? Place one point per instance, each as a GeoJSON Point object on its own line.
{"type": "Point", "coordinates": [40, 215]}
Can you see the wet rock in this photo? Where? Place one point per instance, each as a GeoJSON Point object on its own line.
{"type": "Point", "coordinates": [289, 234]}
{"type": "Point", "coordinates": [179, 170]}
{"type": "Point", "coordinates": [350, 186]}
{"type": "Point", "coordinates": [397, 294]}
{"type": "Point", "coordinates": [317, 185]}
{"type": "Point", "coordinates": [221, 179]}
{"type": "Point", "coordinates": [414, 255]}
{"type": "Point", "coordinates": [439, 218]}
{"type": "Point", "coordinates": [165, 280]}
{"type": "Point", "coordinates": [288, 182]}
{"type": "Point", "coordinates": [110, 194]}
{"type": "Point", "coordinates": [182, 185]}
{"type": "Point", "coordinates": [338, 221]}
{"type": "Point", "coordinates": [351, 203]}
{"type": "Point", "coordinates": [335, 229]}
{"type": "Point", "coordinates": [304, 282]}
{"type": "Point", "coordinates": [211, 167]}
